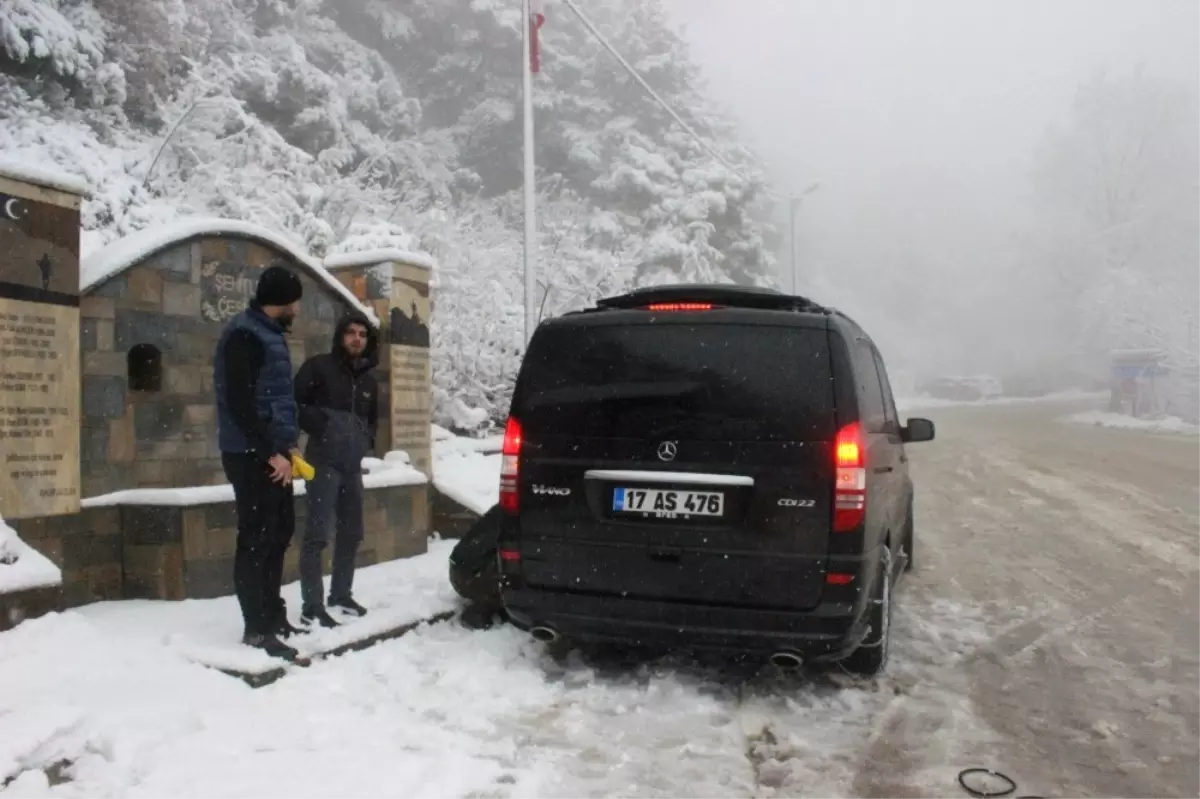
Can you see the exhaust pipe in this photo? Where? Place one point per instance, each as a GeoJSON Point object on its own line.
{"type": "Point", "coordinates": [547, 635]}
{"type": "Point", "coordinates": [786, 660]}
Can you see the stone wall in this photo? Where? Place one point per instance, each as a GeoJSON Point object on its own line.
{"type": "Point", "coordinates": [147, 335]}
{"type": "Point", "coordinates": [178, 552]}
{"type": "Point", "coordinates": [173, 552]}
{"type": "Point", "coordinates": [177, 302]}
{"type": "Point", "coordinates": [85, 545]}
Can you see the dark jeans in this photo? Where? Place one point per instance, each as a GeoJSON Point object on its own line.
{"type": "Point", "coordinates": [335, 510]}
{"type": "Point", "coordinates": [266, 521]}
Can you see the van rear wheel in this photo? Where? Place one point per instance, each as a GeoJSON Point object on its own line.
{"type": "Point", "coordinates": [872, 654]}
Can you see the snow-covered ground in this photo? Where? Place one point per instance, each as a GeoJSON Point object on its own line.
{"type": "Point", "coordinates": [1049, 631]}
{"type": "Point", "coordinates": [915, 403]}
{"type": "Point", "coordinates": [1117, 421]}
{"type": "Point", "coordinates": [208, 631]}
{"type": "Point", "coordinates": [467, 470]}
{"type": "Point", "coordinates": [21, 566]}
{"type": "Point", "coordinates": [440, 712]}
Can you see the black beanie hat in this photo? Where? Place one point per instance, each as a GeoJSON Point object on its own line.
{"type": "Point", "coordinates": [278, 286]}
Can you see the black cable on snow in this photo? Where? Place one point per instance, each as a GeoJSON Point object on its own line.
{"type": "Point", "coordinates": [971, 772]}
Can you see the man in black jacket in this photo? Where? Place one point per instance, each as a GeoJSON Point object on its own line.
{"type": "Point", "coordinates": [338, 399]}
{"type": "Point", "coordinates": [257, 430]}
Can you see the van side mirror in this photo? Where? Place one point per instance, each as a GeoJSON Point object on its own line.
{"type": "Point", "coordinates": [916, 431]}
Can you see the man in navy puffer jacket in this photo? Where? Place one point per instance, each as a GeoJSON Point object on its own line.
{"type": "Point", "coordinates": [258, 429]}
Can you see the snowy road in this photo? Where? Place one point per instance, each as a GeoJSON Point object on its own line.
{"type": "Point", "coordinates": [1050, 631]}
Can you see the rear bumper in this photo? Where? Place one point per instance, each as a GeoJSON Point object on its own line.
{"type": "Point", "coordinates": [829, 631]}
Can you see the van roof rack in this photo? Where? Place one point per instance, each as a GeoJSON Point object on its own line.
{"type": "Point", "coordinates": [725, 295]}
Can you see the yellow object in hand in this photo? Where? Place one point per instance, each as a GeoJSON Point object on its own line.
{"type": "Point", "coordinates": [302, 468]}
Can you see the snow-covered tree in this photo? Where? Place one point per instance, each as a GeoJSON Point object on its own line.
{"type": "Point", "coordinates": [324, 118]}
{"type": "Point", "coordinates": [1118, 185]}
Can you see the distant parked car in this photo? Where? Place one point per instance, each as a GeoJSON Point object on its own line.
{"type": "Point", "coordinates": [973, 388]}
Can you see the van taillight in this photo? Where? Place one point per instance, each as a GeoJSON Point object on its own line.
{"type": "Point", "coordinates": [850, 488]}
{"type": "Point", "coordinates": [510, 468]}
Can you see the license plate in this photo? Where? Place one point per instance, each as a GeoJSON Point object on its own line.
{"type": "Point", "coordinates": [668, 504]}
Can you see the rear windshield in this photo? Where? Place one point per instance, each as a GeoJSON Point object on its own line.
{"type": "Point", "coordinates": [704, 382]}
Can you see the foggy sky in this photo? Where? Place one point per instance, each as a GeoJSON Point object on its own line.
{"type": "Point", "coordinates": [835, 91]}
{"type": "Point", "coordinates": [920, 120]}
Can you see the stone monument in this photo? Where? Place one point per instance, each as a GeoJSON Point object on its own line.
{"type": "Point", "coordinates": [408, 337]}
{"type": "Point", "coordinates": [39, 347]}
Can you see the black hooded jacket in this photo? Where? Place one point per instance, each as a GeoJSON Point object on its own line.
{"type": "Point", "coordinates": [338, 400]}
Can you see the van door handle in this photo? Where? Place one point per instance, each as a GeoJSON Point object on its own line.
{"type": "Point", "coordinates": [883, 469]}
{"type": "Point", "coordinates": [666, 555]}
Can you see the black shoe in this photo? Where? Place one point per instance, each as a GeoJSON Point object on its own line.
{"type": "Point", "coordinates": [271, 645]}
{"type": "Point", "coordinates": [285, 629]}
{"type": "Point", "coordinates": [319, 615]}
{"type": "Point", "coordinates": [348, 605]}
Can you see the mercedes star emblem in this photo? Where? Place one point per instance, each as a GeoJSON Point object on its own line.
{"type": "Point", "coordinates": [667, 450]}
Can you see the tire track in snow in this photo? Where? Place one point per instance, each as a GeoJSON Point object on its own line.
{"type": "Point", "coordinates": [1103, 563]}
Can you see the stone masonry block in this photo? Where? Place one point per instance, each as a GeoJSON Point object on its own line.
{"type": "Point", "coordinates": [105, 581]}
{"type": "Point", "coordinates": [87, 334]}
{"type": "Point", "coordinates": [113, 287]}
{"type": "Point", "coordinates": [214, 249]}
{"type": "Point", "coordinates": [173, 584]}
{"type": "Point", "coordinates": [195, 251]}
{"type": "Point", "coordinates": [158, 420]}
{"type": "Point", "coordinates": [82, 550]}
{"type": "Point", "coordinates": [375, 520]}
{"type": "Point", "coordinates": [209, 578]}
{"type": "Point", "coordinates": [103, 397]}
{"type": "Point", "coordinates": [96, 481]}
{"type": "Point", "coordinates": [93, 307]}
{"type": "Point", "coordinates": [181, 299]}
{"type": "Point", "coordinates": [93, 443]}
{"type": "Point", "coordinates": [184, 379]}
{"type": "Point", "coordinates": [146, 524]}
{"type": "Point", "coordinates": [174, 263]}
{"type": "Point", "coordinates": [145, 286]}
{"type": "Point", "coordinates": [121, 440]}
{"type": "Point", "coordinates": [142, 327]}
{"type": "Point", "coordinates": [220, 515]}
{"type": "Point", "coordinates": [200, 415]}
{"type": "Point", "coordinates": [222, 542]}
{"type": "Point", "coordinates": [101, 521]}
{"type": "Point", "coordinates": [110, 364]}
{"type": "Point", "coordinates": [195, 534]}
{"type": "Point", "coordinates": [105, 334]}
{"type": "Point", "coordinates": [259, 255]}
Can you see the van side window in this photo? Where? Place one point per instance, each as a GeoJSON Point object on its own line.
{"type": "Point", "coordinates": [889, 401]}
{"type": "Point", "coordinates": [869, 391]}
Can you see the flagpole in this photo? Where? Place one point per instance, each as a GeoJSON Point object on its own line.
{"type": "Point", "coordinates": [530, 194]}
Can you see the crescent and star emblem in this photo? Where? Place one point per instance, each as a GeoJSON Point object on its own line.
{"type": "Point", "coordinates": [14, 209]}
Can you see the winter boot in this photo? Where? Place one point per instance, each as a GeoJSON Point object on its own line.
{"type": "Point", "coordinates": [349, 606]}
{"type": "Point", "coordinates": [271, 645]}
{"type": "Point", "coordinates": [319, 615]}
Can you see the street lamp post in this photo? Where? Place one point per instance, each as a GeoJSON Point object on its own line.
{"type": "Point", "coordinates": [794, 202]}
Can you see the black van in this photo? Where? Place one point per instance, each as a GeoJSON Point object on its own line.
{"type": "Point", "coordinates": [707, 467]}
